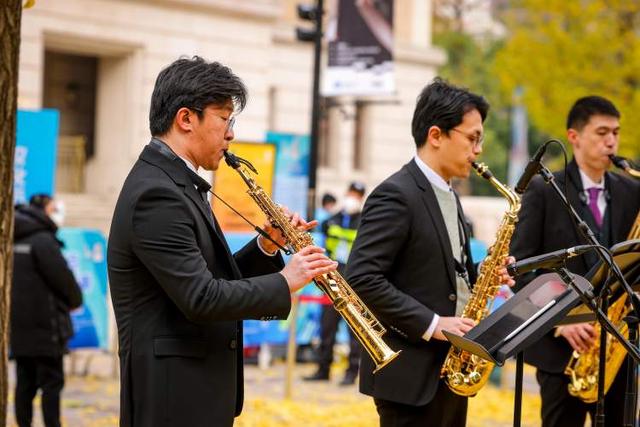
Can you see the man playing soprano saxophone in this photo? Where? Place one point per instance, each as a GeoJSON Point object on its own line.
{"type": "Point", "coordinates": [178, 293]}
{"type": "Point", "coordinates": [411, 264]}
{"type": "Point", "coordinates": [608, 203]}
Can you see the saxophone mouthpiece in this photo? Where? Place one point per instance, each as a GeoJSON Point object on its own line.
{"type": "Point", "coordinates": [231, 159]}
{"type": "Point", "coordinates": [620, 162]}
{"type": "Point", "coordinates": [235, 161]}
{"type": "Point", "coordinates": [482, 170]}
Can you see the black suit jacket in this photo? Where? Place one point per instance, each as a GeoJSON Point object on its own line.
{"type": "Point", "coordinates": [545, 225]}
{"type": "Point", "coordinates": [402, 267]}
{"type": "Point", "coordinates": [179, 296]}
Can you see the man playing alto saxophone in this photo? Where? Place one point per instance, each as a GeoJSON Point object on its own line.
{"type": "Point", "coordinates": [178, 293]}
{"type": "Point", "coordinates": [608, 203]}
{"type": "Point", "coordinates": [410, 262]}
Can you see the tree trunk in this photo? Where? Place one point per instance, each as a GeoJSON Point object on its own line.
{"type": "Point", "coordinates": [10, 16]}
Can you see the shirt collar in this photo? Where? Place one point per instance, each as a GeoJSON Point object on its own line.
{"type": "Point", "coordinates": [200, 183]}
{"type": "Point", "coordinates": [164, 147]}
{"type": "Point", "coordinates": [189, 164]}
{"type": "Point", "coordinates": [588, 182]}
{"type": "Point", "coordinates": [431, 175]}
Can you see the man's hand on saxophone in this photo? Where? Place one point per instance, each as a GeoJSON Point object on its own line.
{"type": "Point", "coordinates": [306, 264]}
{"type": "Point", "coordinates": [455, 325]}
{"type": "Point", "coordinates": [581, 336]}
{"type": "Point", "coordinates": [462, 325]}
{"type": "Point", "coordinates": [276, 234]}
{"type": "Point", "coordinates": [503, 274]}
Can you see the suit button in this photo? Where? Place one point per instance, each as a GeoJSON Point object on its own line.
{"type": "Point", "coordinates": [233, 344]}
{"type": "Point", "coordinates": [452, 297]}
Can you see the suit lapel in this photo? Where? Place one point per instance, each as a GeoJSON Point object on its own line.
{"type": "Point", "coordinates": [161, 156]}
{"type": "Point", "coordinates": [212, 224]}
{"type": "Point", "coordinates": [573, 191]}
{"type": "Point", "coordinates": [433, 208]}
{"type": "Point", "coordinates": [467, 242]}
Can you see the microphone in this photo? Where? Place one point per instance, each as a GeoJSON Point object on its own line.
{"type": "Point", "coordinates": [549, 260]}
{"type": "Point", "coordinates": [533, 167]}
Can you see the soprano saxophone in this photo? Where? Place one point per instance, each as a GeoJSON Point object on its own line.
{"type": "Point", "coordinates": [582, 368]}
{"type": "Point", "coordinates": [463, 372]}
{"type": "Point", "coordinates": [367, 329]}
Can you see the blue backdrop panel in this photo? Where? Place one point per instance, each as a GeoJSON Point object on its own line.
{"type": "Point", "coordinates": [35, 155]}
{"type": "Point", "coordinates": [291, 171]}
{"type": "Point", "coordinates": [85, 251]}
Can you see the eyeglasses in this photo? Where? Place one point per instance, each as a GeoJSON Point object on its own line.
{"type": "Point", "coordinates": [475, 139]}
{"type": "Point", "coordinates": [231, 121]}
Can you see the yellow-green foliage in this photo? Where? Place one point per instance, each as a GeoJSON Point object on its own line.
{"type": "Point", "coordinates": [560, 50]}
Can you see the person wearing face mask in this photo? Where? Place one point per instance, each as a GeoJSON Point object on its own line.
{"type": "Point", "coordinates": [44, 291]}
{"type": "Point", "coordinates": [339, 232]}
{"type": "Point", "coordinates": [326, 210]}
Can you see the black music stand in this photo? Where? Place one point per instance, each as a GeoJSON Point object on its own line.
{"type": "Point", "coordinates": [521, 321]}
{"type": "Point", "coordinates": [627, 256]}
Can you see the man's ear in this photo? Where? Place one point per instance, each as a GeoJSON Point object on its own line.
{"type": "Point", "coordinates": [434, 136]}
{"type": "Point", "coordinates": [573, 137]}
{"type": "Point", "coordinates": [184, 119]}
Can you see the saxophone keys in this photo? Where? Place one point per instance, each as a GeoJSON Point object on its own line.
{"type": "Point", "coordinates": [339, 303]}
{"type": "Point", "coordinates": [474, 377]}
{"type": "Point", "coordinates": [456, 379]}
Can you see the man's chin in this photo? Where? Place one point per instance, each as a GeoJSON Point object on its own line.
{"type": "Point", "coordinates": [465, 172]}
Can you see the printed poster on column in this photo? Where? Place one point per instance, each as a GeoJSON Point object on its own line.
{"type": "Point", "coordinates": [230, 187]}
{"type": "Point", "coordinates": [360, 37]}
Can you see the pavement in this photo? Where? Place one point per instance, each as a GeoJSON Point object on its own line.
{"type": "Point", "coordinates": [90, 397]}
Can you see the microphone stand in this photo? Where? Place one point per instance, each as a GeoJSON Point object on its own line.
{"type": "Point", "coordinates": [588, 297]}
{"type": "Point", "coordinates": [605, 292]}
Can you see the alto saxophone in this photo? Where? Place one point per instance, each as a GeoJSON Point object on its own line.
{"type": "Point", "coordinates": [463, 372]}
{"type": "Point", "coordinates": [582, 368]}
{"type": "Point", "coordinates": [367, 329]}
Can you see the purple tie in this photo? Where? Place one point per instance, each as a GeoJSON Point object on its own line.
{"type": "Point", "coordinates": [593, 204]}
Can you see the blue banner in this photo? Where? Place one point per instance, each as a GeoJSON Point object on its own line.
{"type": "Point", "coordinates": [85, 251]}
{"type": "Point", "coordinates": [292, 170]}
{"type": "Point", "coordinates": [35, 155]}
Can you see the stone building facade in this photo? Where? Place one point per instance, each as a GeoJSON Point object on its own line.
{"type": "Point", "coordinates": [96, 61]}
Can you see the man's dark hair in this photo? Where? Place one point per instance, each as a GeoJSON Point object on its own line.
{"type": "Point", "coordinates": [40, 200]}
{"type": "Point", "coordinates": [442, 104]}
{"type": "Point", "coordinates": [193, 83]}
{"type": "Point", "coordinates": [328, 198]}
{"type": "Point", "coordinates": [588, 106]}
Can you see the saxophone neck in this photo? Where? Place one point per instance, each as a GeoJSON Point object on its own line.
{"type": "Point", "coordinates": [237, 163]}
{"type": "Point", "coordinates": [625, 165]}
{"type": "Point", "coordinates": [512, 197]}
